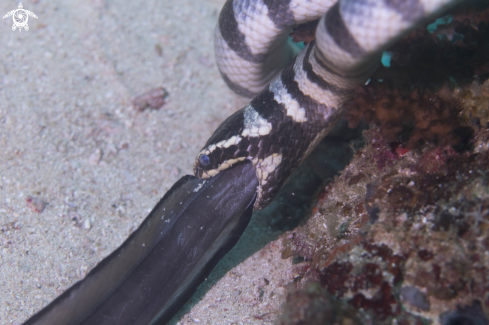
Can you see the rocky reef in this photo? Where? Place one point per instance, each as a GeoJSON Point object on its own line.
{"type": "Point", "coordinates": [401, 236]}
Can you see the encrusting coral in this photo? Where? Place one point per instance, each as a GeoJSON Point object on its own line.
{"type": "Point", "coordinates": [429, 117]}
{"type": "Point", "coordinates": [475, 101]}
{"type": "Point", "coordinates": [401, 238]}
{"type": "Point", "coordinates": [402, 235]}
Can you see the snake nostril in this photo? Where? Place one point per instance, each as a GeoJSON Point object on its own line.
{"type": "Point", "coordinates": [204, 160]}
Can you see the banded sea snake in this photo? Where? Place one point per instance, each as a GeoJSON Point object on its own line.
{"type": "Point", "coordinates": [268, 138]}
{"type": "Point", "coordinates": [294, 110]}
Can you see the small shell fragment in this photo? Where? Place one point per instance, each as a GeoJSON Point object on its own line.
{"type": "Point", "coordinates": [35, 204]}
{"type": "Point", "coordinates": [153, 99]}
{"type": "Point", "coordinates": [95, 157]}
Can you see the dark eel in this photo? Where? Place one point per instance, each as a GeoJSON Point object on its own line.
{"type": "Point", "coordinates": [251, 154]}
{"type": "Point", "coordinates": [158, 268]}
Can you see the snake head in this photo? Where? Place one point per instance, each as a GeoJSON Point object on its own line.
{"type": "Point", "coordinates": [225, 147]}
{"type": "Point", "coordinates": [217, 157]}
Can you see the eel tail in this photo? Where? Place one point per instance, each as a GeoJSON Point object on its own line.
{"type": "Point", "coordinates": [158, 268]}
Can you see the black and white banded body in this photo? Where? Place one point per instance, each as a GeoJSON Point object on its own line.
{"type": "Point", "coordinates": [293, 110]}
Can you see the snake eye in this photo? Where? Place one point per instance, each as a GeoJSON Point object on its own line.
{"type": "Point", "coordinates": [204, 160]}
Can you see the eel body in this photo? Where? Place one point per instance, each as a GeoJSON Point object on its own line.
{"type": "Point", "coordinates": [249, 156]}
{"type": "Point", "coordinates": [158, 268]}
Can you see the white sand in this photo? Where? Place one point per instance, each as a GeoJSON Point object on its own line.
{"type": "Point", "coordinates": [69, 136]}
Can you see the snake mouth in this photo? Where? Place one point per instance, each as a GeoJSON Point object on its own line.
{"type": "Point", "coordinates": [198, 171]}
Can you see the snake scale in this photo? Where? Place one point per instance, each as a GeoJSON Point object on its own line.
{"type": "Point", "coordinates": [297, 101]}
{"type": "Point", "coordinates": [294, 109]}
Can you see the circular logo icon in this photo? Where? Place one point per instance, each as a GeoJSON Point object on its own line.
{"type": "Point", "coordinates": [20, 16]}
